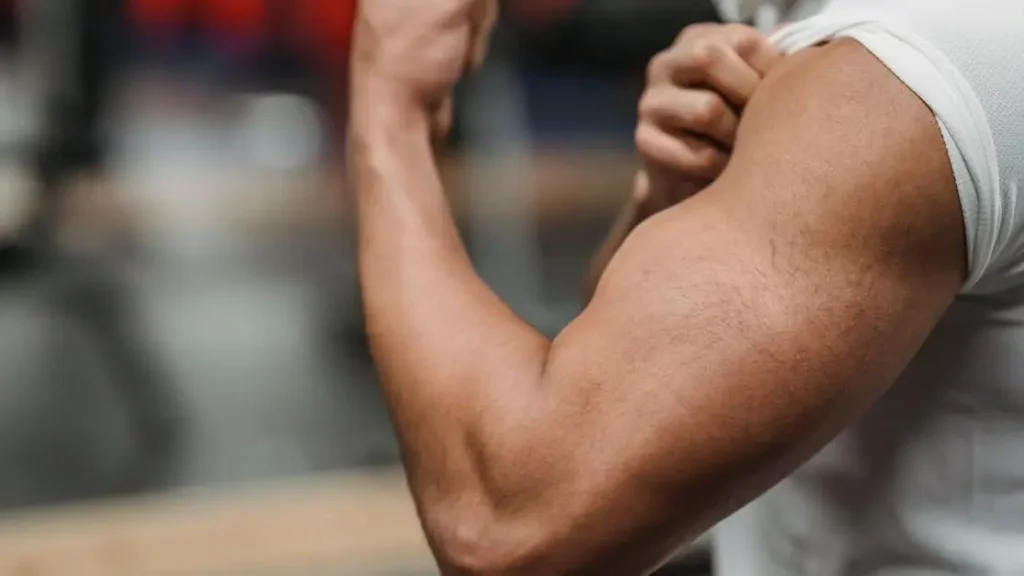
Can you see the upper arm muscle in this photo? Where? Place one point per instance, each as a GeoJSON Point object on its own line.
{"type": "Point", "coordinates": [735, 334]}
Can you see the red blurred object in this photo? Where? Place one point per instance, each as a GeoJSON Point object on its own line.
{"type": "Point", "coordinates": [159, 13]}
{"type": "Point", "coordinates": [331, 23]}
{"type": "Point", "coordinates": [325, 25]}
{"type": "Point", "coordinates": [246, 17]}
{"type": "Point", "coordinates": [235, 18]}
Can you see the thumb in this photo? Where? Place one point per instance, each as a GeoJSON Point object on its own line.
{"type": "Point", "coordinates": [641, 187]}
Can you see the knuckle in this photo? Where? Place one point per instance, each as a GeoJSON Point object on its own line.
{"type": "Point", "coordinates": [715, 170]}
{"type": "Point", "coordinates": [694, 30]}
{"type": "Point", "coordinates": [747, 40]}
{"type": "Point", "coordinates": [677, 153]}
{"type": "Point", "coordinates": [741, 32]}
{"type": "Point", "coordinates": [707, 161]}
{"type": "Point", "coordinates": [642, 138]}
{"type": "Point", "coordinates": [645, 105]}
{"type": "Point", "coordinates": [647, 143]}
{"type": "Point", "coordinates": [656, 66]}
{"type": "Point", "coordinates": [651, 104]}
{"type": "Point", "coordinates": [708, 110]}
{"type": "Point", "coordinates": [706, 52]}
{"type": "Point", "coordinates": [704, 157]}
{"type": "Point", "coordinates": [686, 33]}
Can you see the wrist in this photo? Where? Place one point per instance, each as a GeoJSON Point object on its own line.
{"type": "Point", "coordinates": [385, 130]}
{"type": "Point", "coordinates": [380, 109]}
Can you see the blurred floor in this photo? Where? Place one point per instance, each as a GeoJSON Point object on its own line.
{"type": "Point", "coordinates": [354, 524]}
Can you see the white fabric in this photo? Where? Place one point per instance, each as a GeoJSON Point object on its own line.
{"type": "Point", "coordinates": [737, 10]}
{"type": "Point", "coordinates": [931, 480]}
{"type": "Point", "coordinates": [746, 10]}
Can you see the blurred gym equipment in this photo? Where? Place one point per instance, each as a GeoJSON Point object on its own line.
{"type": "Point", "coordinates": [76, 291]}
{"type": "Point", "coordinates": [340, 524]}
{"type": "Point", "coordinates": [497, 142]}
{"type": "Point", "coordinates": [603, 37]}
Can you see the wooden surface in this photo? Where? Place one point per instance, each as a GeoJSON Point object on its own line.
{"type": "Point", "coordinates": [352, 524]}
{"type": "Point", "coordinates": [361, 524]}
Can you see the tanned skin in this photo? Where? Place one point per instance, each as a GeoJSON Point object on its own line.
{"type": "Point", "coordinates": [730, 337]}
{"type": "Point", "coordinates": [687, 122]}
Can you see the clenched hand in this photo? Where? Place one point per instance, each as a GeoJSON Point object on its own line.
{"type": "Point", "coordinates": [416, 50]}
{"type": "Point", "coordinates": [689, 112]}
{"type": "Point", "coordinates": [688, 117]}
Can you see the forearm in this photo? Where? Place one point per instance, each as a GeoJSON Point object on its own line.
{"type": "Point", "coordinates": [448, 350]}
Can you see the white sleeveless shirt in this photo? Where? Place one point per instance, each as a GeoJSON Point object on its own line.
{"type": "Point", "coordinates": [930, 480]}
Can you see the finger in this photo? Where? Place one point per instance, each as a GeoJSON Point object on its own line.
{"type": "Point", "coordinates": [716, 65]}
{"type": "Point", "coordinates": [754, 48]}
{"type": "Point", "coordinates": [731, 59]}
{"type": "Point", "coordinates": [688, 155]}
{"type": "Point", "coordinates": [641, 187]}
{"type": "Point", "coordinates": [693, 110]}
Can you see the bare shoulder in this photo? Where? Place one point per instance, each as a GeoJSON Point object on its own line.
{"type": "Point", "coordinates": [836, 151]}
{"type": "Point", "coordinates": [780, 302]}
{"type": "Point", "coordinates": [838, 167]}
{"type": "Point", "coordinates": [736, 333]}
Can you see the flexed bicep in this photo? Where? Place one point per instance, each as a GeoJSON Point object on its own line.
{"type": "Point", "coordinates": [735, 334]}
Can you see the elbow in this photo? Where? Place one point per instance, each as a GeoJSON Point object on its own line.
{"type": "Point", "coordinates": [474, 540]}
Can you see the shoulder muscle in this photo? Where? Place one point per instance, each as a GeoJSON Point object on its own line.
{"type": "Point", "coordinates": [735, 334]}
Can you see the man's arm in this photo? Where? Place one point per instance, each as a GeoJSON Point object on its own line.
{"type": "Point", "coordinates": [639, 207]}
{"type": "Point", "coordinates": [687, 121]}
{"type": "Point", "coordinates": [730, 338]}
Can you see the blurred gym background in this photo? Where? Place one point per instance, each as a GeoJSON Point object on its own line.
{"type": "Point", "coordinates": [184, 382]}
